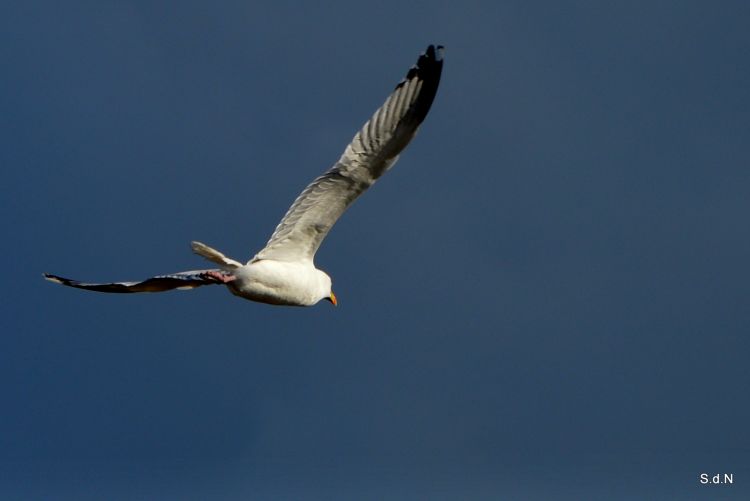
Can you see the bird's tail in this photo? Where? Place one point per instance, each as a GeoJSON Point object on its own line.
{"type": "Point", "coordinates": [214, 256]}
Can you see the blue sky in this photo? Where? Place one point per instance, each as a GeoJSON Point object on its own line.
{"type": "Point", "coordinates": [545, 298]}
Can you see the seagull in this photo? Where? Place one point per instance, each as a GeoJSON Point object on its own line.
{"type": "Point", "coordinates": [283, 272]}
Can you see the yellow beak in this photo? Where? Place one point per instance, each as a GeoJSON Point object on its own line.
{"type": "Point", "coordinates": [333, 299]}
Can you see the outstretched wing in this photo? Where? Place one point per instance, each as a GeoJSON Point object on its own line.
{"type": "Point", "coordinates": [182, 280]}
{"type": "Point", "coordinates": [371, 153]}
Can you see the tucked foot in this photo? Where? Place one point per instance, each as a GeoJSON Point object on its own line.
{"type": "Point", "coordinates": [219, 276]}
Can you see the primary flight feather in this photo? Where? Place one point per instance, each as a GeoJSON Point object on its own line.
{"type": "Point", "coordinates": [283, 272]}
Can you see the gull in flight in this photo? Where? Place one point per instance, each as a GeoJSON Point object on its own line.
{"type": "Point", "coordinates": [283, 272]}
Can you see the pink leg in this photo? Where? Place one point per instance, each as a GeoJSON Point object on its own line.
{"type": "Point", "coordinates": [219, 276]}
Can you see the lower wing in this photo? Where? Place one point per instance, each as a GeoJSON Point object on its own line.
{"type": "Point", "coordinates": [160, 283]}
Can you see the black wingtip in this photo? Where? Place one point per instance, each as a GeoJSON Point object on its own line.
{"type": "Point", "coordinates": [428, 68]}
{"type": "Point", "coordinates": [435, 52]}
{"type": "Point", "coordinates": [54, 278]}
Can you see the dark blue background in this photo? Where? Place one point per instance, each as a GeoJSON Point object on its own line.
{"type": "Point", "coordinates": [547, 297]}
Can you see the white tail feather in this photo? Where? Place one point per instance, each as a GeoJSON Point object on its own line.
{"type": "Point", "coordinates": [213, 255]}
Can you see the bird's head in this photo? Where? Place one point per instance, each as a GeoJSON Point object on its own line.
{"type": "Point", "coordinates": [325, 285]}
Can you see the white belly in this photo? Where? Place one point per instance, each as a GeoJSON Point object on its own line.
{"type": "Point", "coordinates": [280, 282]}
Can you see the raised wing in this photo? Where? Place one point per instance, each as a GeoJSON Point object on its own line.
{"type": "Point", "coordinates": [182, 280]}
{"type": "Point", "coordinates": [371, 153]}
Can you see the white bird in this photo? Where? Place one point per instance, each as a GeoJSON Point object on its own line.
{"type": "Point", "coordinates": [283, 273]}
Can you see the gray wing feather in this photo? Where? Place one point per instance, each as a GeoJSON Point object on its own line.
{"type": "Point", "coordinates": [372, 151]}
{"type": "Point", "coordinates": [160, 283]}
